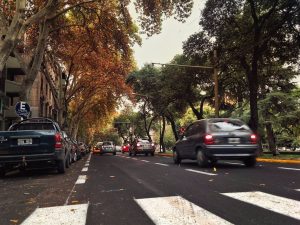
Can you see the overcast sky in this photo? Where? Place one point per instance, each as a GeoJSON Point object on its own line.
{"type": "Point", "coordinates": [163, 47]}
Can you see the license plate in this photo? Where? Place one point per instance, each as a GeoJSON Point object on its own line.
{"type": "Point", "coordinates": [26, 141]}
{"type": "Point", "coordinates": [234, 140]}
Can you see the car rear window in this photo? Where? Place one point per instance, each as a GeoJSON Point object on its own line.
{"type": "Point", "coordinates": [33, 126]}
{"type": "Point", "coordinates": [143, 140]}
{"type": "Point", "coordinates": [107, 143]}
{"type": "Point", "coordinates": [227, 125]}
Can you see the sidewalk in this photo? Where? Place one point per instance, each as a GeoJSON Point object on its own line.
{"type": "Point", "coordinates": [259, 159]}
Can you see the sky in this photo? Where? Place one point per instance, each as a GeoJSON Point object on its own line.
{"type": "Point", "coordinates": [163, 47]}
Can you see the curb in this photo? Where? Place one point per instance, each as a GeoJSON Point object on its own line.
{"type": "Point", "coordinates": [290, 161]}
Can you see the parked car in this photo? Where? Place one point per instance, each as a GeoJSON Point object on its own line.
{"type": "Point", "coordinates": [69, 145]}
{"type": "Point", "coordinates": [108, 147]}
{"type": "Point", "coordinates": [125, 148]}
{"type": "Point", "coordinates": [35, 142]}
{"type": "Point", "coordinates": [75, 152]}
{"type": "Point", "coordinates": [142, 146]}
{"type": "Point", "coordinates": [209, 140]}
{"type": "Point", "coordinates": [83, 148]}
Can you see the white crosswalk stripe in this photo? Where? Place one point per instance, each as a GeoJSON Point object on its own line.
{"type": "Point", "coordinates": [281, 205]}
{"type": "Point", "coordinates": [81, 179]}
{"type": "Point", "coordinates": [177, 211]}
{"type": "Point", "coordinates": [67, 215]}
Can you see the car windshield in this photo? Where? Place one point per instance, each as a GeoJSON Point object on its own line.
{"type": "Point", "coordinates": [107, 143]}
{"type": "Point", "coordinates": [227, 126]}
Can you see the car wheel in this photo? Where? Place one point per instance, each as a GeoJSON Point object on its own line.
{"type": "Point", "coordinates": [201, 159]}
{"type": "Point", "coordinates": [134, 153]}
{"type": "Point", "coordinates": [114, 153]}
{"type": "Point", "coordinates": [61, 166]}
{"type": "Point", "coordinates": [152, 154]}
{"type": "Point", "coordinates": [176, 158]}
{"type": "Point", "coordinates": [129, 153]}
{"type": "Point", "coordinates": [146, 154]}
{"type": "Point", "coordinates": [250, 162]}
{"type": "Point", "coordinates": [2, 172]}
{"type": "Point", "coordinates": [68, 162]}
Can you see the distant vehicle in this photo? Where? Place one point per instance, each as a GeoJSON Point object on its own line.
{"type": "Point", "coordinates": [35, 142]}
{"type": "Point", "coordinates": [125, 148]}
{"type": "Point", "coordinates": [209, 140]}
{"type": "Point", "coordinates": [97, 148]}
{"type": "Point", "coordinates": [108, 147]}
{"type": "Point", "coordinates": [141, 146]}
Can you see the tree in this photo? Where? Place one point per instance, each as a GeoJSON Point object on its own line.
{"type": "Point", "coordinates": [252, 33]}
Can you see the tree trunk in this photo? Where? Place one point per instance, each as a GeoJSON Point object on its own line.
{"type": "Point", "coordinates": [162, 135]}
{"type": "Point", "coordinates": [195, 111]}
{"type": "Point", "coordinates": [173, 125]}
{"type": "Point", "coordinates": [271, 139]}
{"type": "Point", "coordinates": [37, 61]}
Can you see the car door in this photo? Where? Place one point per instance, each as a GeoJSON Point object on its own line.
{"type": "Point", "coordinates": [185, 143]}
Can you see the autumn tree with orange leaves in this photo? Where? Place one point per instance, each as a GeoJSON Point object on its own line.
{"type": "Point", "coordinates": [87, 40]}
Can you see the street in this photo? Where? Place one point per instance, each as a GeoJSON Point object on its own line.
{"type": "Point", "coordinates": [152, 190]}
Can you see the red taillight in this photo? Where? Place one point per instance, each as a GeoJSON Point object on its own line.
{"type": "Point", "coordinates": [253, 139]}
{"type": "Point", "coordinates": [58, 140]}
{"type": "Point", "coordinates": [208, 139]}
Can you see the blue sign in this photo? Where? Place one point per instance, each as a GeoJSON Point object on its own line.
{"type": "Point", "coordinates": [22, 109]}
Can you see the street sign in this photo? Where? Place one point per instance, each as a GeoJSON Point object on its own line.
{"type": "Point", "coordinates": [22, 109]}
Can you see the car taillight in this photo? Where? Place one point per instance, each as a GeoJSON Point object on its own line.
{"type": "Point", "coordinates": [152, 145]}
{"type": "Point", "coordinates": [58, 140]}
{"type": "Point", "coordinates": [208, 139]}
{"type": "Point", "coordinates": [253, 139]}
{"type": "Point", "coordinates": [138, 145]}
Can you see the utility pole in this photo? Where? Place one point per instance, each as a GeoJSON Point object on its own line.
{"type": "Point", "coordinates": [216, 87]}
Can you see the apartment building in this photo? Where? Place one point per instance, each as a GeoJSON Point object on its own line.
{"type": "Point", "coordinates": [40, 100]}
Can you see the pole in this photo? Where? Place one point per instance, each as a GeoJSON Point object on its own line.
{"type": "Point", "coordinates": [216, 88]}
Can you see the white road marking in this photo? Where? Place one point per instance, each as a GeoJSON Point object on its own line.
{"type": "Point", "coordinates": [128, 157]}
{"type": "Point", "coordinates": [297, 189]}
{"type": "Point", "coordinates": [66, 215]}
{"type": "Point", "coordinates": [85, 169]}
{"type": "Point", "coordinates": [81, 179]}
{"type": "Point", "coordinates": [145, 161]}
{"type": "Point", "coordinates": [232, 163]}
{"type": "Point", "coordinates": [287, 168]}
{"type": "Point", "coordinates": [87, 165]}
{"type": "Point", "coordinates": [161, 164]}
{"type": "Point", "coordinates": [281, 205]}
{"type": "Point", "coordinates": [177, 211]}
{"type": "Point", "coordinates": [201, 172]}
{"type": "Point", "coordinates": [134, 158]}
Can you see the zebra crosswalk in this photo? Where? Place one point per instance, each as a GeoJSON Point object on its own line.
{"type": "Point", "coordinates": [172, 210]}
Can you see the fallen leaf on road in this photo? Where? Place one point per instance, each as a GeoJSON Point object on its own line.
{"type": "Point", "coordinates": [26, 193]}
{"type": "Point", "coordinates": [262, 185]}
{"type": "Point", "coordinates": [14, 221]}
{"type": "Point", "coordinates": [211, 180]}
{"type": "Point", "coordinates": [215, 169]}
{"type": "Point", "coordinates": [112, 176]}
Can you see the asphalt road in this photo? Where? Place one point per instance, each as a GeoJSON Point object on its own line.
{"type": "Point", "coordinates": [152, 190]}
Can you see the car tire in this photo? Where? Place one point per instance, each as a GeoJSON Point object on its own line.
{"type": "Point", "coordinates": [134, 153]}
{"type": "Point", "coordinates": [152, 154]}
{"type": "Point", "coordinates": [114, 153]}
{"type": "Point", "coordinates": [250, 162]}
{"type": "Point", "coordinates": [201, 159]}
{"type": "Point", "coordinates": [68, 163]}
{"type": "Point", "coordinates": [146, 154]}
{"type": "Point", "coordinates": [130, 153]}
{"type": "Point", "coordinates": [61, 166]}
{"type": "Point", "coordinates": [176, 157]}
{"type": "Point", "coordinates": [2, 172]}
